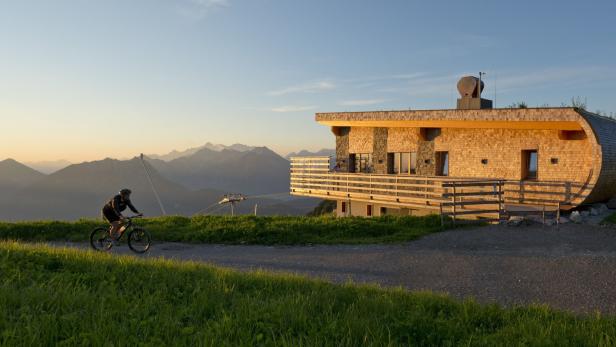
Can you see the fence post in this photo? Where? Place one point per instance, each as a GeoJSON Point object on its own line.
{"type": "Point", "coordinates": [440, 207]}
{"type": "Point", "coordinates": [558, 215]}
{"type": "Point", "coordinates": [543, 215]}
{"type": "Point", "coordinates": [454, 202]}
{"type": "Point", "coordinates": [501, 200]}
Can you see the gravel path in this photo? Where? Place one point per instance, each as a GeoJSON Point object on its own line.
{"type": "Point", "coordinates": [571, 268]}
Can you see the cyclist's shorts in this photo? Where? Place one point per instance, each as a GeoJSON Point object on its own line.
{"type": "Point", "coordinates": [110, 215]}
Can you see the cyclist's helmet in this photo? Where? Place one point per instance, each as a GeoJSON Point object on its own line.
{"type": "Point", "coordinates": [125, 192]}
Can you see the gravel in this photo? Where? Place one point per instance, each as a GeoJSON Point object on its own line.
{"type": "Point", "coordinates": [572, 267]}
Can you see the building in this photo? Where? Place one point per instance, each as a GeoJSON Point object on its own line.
{"type": "Point", "coordinates": [472, 160]}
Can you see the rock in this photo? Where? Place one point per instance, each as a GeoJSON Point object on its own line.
{"type": "Point", "coordinates": [593, 211]}
{"type": "Point", "coordinates": [563, 220]}
{"type": "Point", "coordinates": [530, 219]}
{"type": "Point", "coordinates": [515, 221]}
{"type": "Point", "coordinates": [611, 203]}
{"type": "Point", "coordinates": [575, 217]}
{"type": "Point", "coordinates": [585, 213]}
{"type": "Point", "coordinates": [550, 222]}
{"type": "Point", "coordinates": [601, 207]}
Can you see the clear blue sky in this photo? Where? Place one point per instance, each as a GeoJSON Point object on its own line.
{"type": "Point", "coordinates": [83, 80]}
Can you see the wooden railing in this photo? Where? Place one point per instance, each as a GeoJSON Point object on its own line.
{"type": "Point", "coordinates": [545, 193]}
{"type": "Point", "coordinates": [459, 198]}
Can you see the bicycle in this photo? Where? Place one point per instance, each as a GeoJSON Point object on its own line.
{"type": "Point", "coordinates": [139, 239]}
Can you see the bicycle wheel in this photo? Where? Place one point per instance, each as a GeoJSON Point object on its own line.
{"type": "Point", "coordinates": [100, 240]}
{"type": "Point", "coordinates": [139, 240]}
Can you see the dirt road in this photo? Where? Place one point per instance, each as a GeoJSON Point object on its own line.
{"type": "Point", "coordinates": [571, 268]}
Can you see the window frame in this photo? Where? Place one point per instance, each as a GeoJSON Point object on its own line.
{"type": "Point", "coordinates": [397, 158]}
{"type": "Point", "coordinates": [442, 163]}
{"type": "Point", "coordinates": [526, 160]}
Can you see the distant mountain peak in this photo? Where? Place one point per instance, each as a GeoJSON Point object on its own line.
{"type": "Point", "coordinates": [175, 154]}
{"type": "Point", "coordinates": [326, 152]}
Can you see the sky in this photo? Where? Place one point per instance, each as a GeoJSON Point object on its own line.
{"type": "Point", "coordinates": [84, 80]}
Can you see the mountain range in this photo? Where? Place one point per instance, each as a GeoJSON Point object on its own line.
{"type": "Point", "coordinates": [325, 152]}
{"type": "Point", "coordinates": [15, 175]}
{"type": "Point", "coordinates": [187, 182]}
{"type": "Point", "coordinates": [175, 154]}
{"type": "Point", "coordinates": [48, 166]}
{"type": "Point", "coordinates": [255, 171]}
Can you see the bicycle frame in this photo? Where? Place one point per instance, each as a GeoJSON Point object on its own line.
{"type": "Point", "coordinates": [127, 225]}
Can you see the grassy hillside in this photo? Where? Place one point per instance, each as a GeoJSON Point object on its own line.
{"type": "Point", "coordinates": [69, 297]}
{"type": "Point", "coordinates": [244, 229]}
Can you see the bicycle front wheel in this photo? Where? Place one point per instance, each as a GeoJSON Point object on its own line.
{"type": "Point", "coordinates": [139, 240]}
{"type": "Point", "coordinates": [100, 239]}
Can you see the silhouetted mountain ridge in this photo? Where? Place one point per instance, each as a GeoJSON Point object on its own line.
{"type": "Point", "coordinates": [80, 190]}
{"type": "Point", "coordinates": [255, 171]}
{"type": "Point", "coordinates": [15, 175]}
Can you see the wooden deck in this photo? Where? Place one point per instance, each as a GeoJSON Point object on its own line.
{"type": "Point", "coordinates": [459, 198]}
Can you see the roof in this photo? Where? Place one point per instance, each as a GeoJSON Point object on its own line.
{"type": "Point", "coordinates": [561, 118]}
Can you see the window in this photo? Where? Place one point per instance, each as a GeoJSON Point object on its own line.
{"type": "Point", "coordinates": [529, 165]}
{"type": "Point", "coordinates": [383, 211]}
{"type": "Point", "coordinates": [402, 163]}
{"type": "Point", "coordinates": [442, 162]}
{"type": "Point", "coordinates": [343, 207]}
{"type": "Point", "coordinates": [362, 162]}
{"type": "Point", "coordinates": [369, 210]}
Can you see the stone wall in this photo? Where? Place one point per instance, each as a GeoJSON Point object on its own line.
{"type": "Point", "coordinates": [503, 150]}
{"type": "Point", "coordinates": [342, 149]}
{"type": "Point", "coordinates": [426, 161]}
{"type": "Point", "coordinates": [379, 150]}
{"type": "Point", "coordinates": [361, 140]}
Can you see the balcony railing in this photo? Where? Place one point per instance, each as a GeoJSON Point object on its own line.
{"type": "Point", "coordinates": [455, 197]}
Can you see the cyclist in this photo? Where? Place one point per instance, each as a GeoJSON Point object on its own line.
{"type": "Point", "coordinates": [112, 211]}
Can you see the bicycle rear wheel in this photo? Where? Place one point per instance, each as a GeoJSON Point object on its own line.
{"type": "Point", "coordinates": [139, 240]}
{"type": "Point", "coordinates": [100, 239]}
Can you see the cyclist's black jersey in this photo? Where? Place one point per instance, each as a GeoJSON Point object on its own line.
{"type": "Point", "coordinates": [117, 205]}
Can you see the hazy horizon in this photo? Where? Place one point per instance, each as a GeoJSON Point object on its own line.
{"type": "Point", "coordinates": [126, 156]}
{"type": "Point", "coordinates": [82, 81]}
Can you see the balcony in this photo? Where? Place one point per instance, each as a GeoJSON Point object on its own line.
{"type": "Point", "coordinates": [460, 198]}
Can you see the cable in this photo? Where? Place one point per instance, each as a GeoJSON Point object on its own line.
{"type": "Point", "coordinates": [205, 209]}
{"type": "Point", "coordinates": [147, 173]}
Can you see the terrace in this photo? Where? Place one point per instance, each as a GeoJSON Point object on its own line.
{"type": "Point", "coordinates": [457, 197]}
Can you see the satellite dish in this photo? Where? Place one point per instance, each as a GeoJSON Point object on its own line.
{"type": "Point", "coordinates": [467, 87]}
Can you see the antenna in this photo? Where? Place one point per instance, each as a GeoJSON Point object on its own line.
{"type": "Point", "coordinates": [147, 173]}
{"type": "Point", "coordinates": [495, 89]}
{"type": "Point", "coordinates": [479, 86]}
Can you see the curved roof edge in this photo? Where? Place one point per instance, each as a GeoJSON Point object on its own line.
{"type": "Point", "coordinates": [604, 129]}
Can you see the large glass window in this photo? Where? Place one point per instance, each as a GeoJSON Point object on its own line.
{"type": "Point", "coordinates": [363, 162]}
{"type": "Point", "coordinates": [403, 163]}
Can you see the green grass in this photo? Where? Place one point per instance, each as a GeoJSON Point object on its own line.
{"type": "Point", "coordinates": [244, 229]}
{"type": "Point", "coordinates": [611, 219]}
{"type": "Point", "coordinates": [70, 297]}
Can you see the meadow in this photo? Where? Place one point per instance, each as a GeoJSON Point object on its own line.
{"type": "Point", "coordinates": [277, 230]}
{"type": "Point", "coordinates": [68, 297]}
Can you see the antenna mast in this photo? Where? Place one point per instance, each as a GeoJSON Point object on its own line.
{"type": "Point", "coordinates": [147, 173]}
